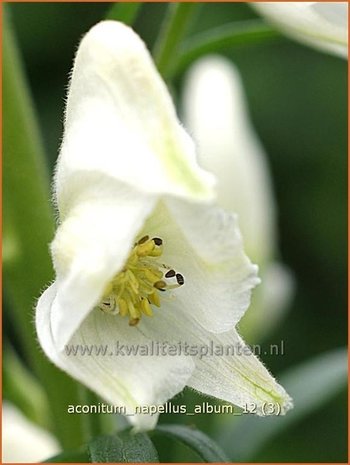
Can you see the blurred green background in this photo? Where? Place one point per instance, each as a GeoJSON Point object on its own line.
{"type": "Point", "coordinates": [298, 103]}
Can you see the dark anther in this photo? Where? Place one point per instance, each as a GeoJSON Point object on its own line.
{"type": "Point", "coordinates": [157, 240]}
{"type": "Point", "coordinates": [143, 240]}
{"type": "Point", "coordinates": [159, 285]}
{"type": "Point", "coordinates": [170, 274]}
{"type": "Point", "coordinates": [180, 279]}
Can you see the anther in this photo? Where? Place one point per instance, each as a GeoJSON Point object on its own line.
{"type": "Point", "coordinates": [170, 274]}
{"type": "Point", "coordinates": [142, 250]}
{"type": "Point", "coordinates": [136, 288]}
{"type": "Point", "coordinates": [154, 298]}
{"type": "Point", "coordinates": [159, 285]}
{"type": "Point", "coordinates": [143, 240]}
{"type": "Point", "coordinates": [180, 279]}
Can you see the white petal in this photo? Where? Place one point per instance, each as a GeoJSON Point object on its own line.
{"type": "Point", "coordinates": [269, 302]}
{"type": "Point", "coordinates": [120, 121]}
{"type": "Point", "coordinates": [229, 148]}
{"type": "Point", "coordinates": [204, 244]}
{"type": "Point", "coordinates": [91, 246]}
{"type": "Point", "coordinates": [319, 24]}
{"type": "Point", "coordinates": [240, 379]}
{"type": "Point", "coordinates": [124, 381]}
{"type": "Point", "coordinates": [22, 440]}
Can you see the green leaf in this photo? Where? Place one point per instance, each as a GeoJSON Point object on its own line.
{"type": "Point", "coordinates": [28, 231]}
{"type": "Point", "coordinates": [22, 389]}
{"type": "Point", "coordinates": [197, 441]}
{"type": "Point", "coordinates": [77, 456]}
{"type": "Point", "coordinates": [123, 448]}
{"type": "Point", "coordinates": [310, 384]}
{"type": "Point", "coordinates": [124, 12]}
{"type": "Point", "coordinates": [174, 28]}
{"type": "Point", "coordinates": [222, 37]}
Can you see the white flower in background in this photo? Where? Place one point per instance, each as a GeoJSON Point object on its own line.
{"type": "Point", "coordinates": [22, 440]}
{"type": "Point", "coordinates": [142, 254]}
{"type": "Point", "coordinates": [215, 112]}
{"type": "Point", "coordinates": [322, 25]}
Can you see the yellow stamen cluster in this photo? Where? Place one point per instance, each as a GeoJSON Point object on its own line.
{"type": "Point", "coordinates": [132, 290]}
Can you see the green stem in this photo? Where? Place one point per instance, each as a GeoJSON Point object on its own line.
{"type": "Point", "coordinates": [92, 424]}
{"type": "Point", "coordinates": [173, 30]}
{"type": "Point", "coordinates": [228, 35]}
{"type": "Point", "coordinates": [22, 389]}
{"type": "Point", "coordinates": [26, 206]}
{"type": "Point", "coordinates": [124, 12]}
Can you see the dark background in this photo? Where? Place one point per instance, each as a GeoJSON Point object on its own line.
{"type": "Point", "coordinates": [297, 99]}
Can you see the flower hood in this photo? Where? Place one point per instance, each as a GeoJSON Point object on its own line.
{"type": "Point", "coordinates": [322, 25]}
{"type": "Point", "coordinates": [22, 440]}
{"type": "Point", "coordinates": [140, 234]}
{"type": "Point", "coordinates": [228, 146]}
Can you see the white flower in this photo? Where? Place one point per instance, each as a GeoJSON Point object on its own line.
{"type": "Point", "coordinates": [322, 25]}
{"type": "Point", "coordinates": [22, 440]}
{"type": "Point", "coordinates": [229, 148]}
{"type": "Point", "coordinates": [135, 209]}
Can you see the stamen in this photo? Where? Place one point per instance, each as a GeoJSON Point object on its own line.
{"type": "Point", "coordinates": [146, 308]}
{"type": "Point", "coordinates": [123, 307]}
{"type": "Point", "coordinates": [159, 285]}
{"type": "Point", "coordinates": [154, 299]}
{"type": "Point", "coordinates": [170, 274]}
{"type": "Point", "coordinates": [143, 240]}
{"type": "Point", "coordinates": [152, 275]}
{"type": "Point", "coordinates": [144, 249]}
{"type": "Point", "coordinates": [134, 321]}
{"type": "Point", "coordinates": [156, 252]}
{"type": "Point", "coordinates": [136, 287]}
{"type": "Point", "coordinates": [180, 279]}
